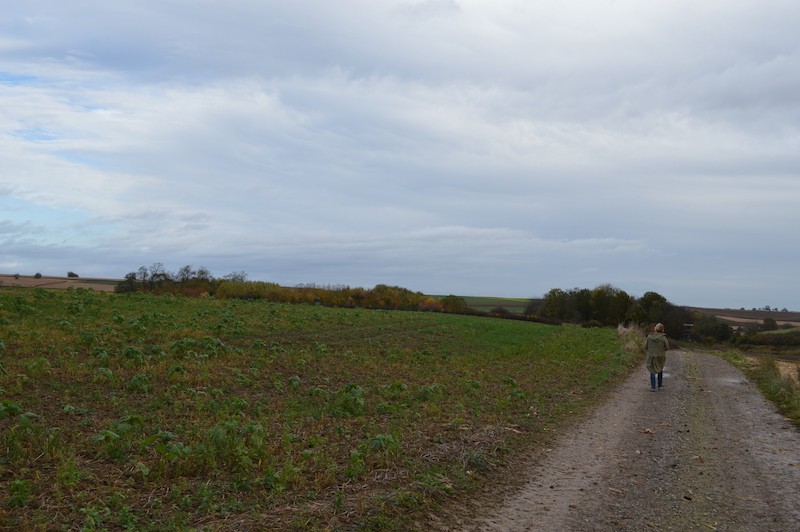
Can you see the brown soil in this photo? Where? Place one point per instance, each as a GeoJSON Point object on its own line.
{"type": "Point", "coordinates": [49, 281]}
{"type": "Point", "coordinates": [706, 453]}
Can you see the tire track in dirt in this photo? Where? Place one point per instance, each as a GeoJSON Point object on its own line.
{"type": "Point", "coordinates": [707, 453]}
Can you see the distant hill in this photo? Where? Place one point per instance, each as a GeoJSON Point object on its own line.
{"type": "Point", "coordinates": [487, 304]}
{"type": "Point", "coordinates": [744, 317]}
{"type": "Point", "coordinates": [50, 281]}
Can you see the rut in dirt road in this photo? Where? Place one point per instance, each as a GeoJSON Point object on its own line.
{"type": "Point", "coordinates": [706, 453]}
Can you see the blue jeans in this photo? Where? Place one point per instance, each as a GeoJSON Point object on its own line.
{"type": "Point", "coordinates": [660, 379]}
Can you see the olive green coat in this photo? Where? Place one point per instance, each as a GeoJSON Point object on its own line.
{"type": "Point", "coordinates": [656, 348]}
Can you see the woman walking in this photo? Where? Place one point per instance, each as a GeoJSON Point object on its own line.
{"type": "Point", "coordinates": [656, 347]}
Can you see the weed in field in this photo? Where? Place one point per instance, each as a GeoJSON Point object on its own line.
{"type": "Point", "coordinates": [19, 493]}
{"type": "Point", "coordinates": [430, 392]}
{"type": "Point", "coordinates": [271, 480]}
{"type": "Point", "coordinates": [175, 371]}
{"type": "Point", "coordinates": [103, 373]}
{"type": "Point", "coordinates": [517, 394]}
{"type": "Point", "coordinates": [9, 409]}
{"type": "Point", "coordinates": [349, 401]}
{"type": "Point", "coordinates": [476, 460]}
{"type": "Point", "coordinates": [128, 423]}
{"type": "Point", "coordinates": [356, 466]}
{"type": "Point", "coordinates": [95, 516]}
{"type": "Point", "coordinates": [38, 366]}
{"type": "Point", "coordinates": [338, 500]}
{"type": "Point", "coordinates": [101, 357]}
{"type": "Point", "coordinates": [89, 339]}
{"type": "Point", "coordinates": [384, 443]}
{"type": "Point", "coordinates": [140, 384]}
{"type": "Point", "coordinates": [133, 355]}
{"type": "Point", "coordinates": [472, 386]}
{"type": "Point", "coordinates": [435, 483]}
{"type": "Point", "coordinates": [22, 307]}
{"type": "Point", "coordinates": [68, 474]}
{"type": "Point", "coordinates": [395, 390]}
{"type": "Point", "coordinates": [20, 380]}
{"type": "Point", "coordinates": [408, 499]}
{"type": "Point", "coordinates": [109, 439]}
{"type": "Point", "coordinates": [172, 451]}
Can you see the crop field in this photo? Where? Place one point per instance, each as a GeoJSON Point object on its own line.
{"type": "Point", "coordinates": [487, 304]}
{"type": "Point", "coordinates": [745, 317]}
{"type": "Point", "coordinates": [149, 412]}
{"type": "Point", "coordinates": [49, 281]}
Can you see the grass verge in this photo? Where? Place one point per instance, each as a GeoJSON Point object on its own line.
{"type": "Point", "coordinates": [779, 388]}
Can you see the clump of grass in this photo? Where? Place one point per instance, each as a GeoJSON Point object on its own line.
{"type": "Point", "coordinates": [783, 390]}
{"type": "Point", "coordinates": [632, 338]}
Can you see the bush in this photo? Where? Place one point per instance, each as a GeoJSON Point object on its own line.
{"type": "Point", "coordinates": [454, 304]}
{"type": "Point", "coordinates": [37, 276]}
{"type": "Point", "coordinates": [72, 274]}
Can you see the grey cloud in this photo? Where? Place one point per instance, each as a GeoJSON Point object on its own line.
{"type": "Point", "coordinates": [498, 147]}
{"type": "Point", "coordinates": [430, 8]}
{"type": "Point", "coordinates": [8, 227]}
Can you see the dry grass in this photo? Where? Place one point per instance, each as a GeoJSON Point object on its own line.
{"type": "Point", "coordinates": [779, 381]}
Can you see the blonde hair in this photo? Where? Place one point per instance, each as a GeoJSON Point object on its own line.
{"type": "Point", "coordinates": [659, 327]}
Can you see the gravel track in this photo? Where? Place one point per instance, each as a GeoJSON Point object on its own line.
{"type": "Point", "coordinates": [706, 453]}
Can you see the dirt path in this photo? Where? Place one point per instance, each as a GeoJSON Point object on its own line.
{"type": "Point", "coordinates": [706, 453]}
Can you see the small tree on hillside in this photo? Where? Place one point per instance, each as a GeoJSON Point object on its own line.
{"type": "Point", "coordinates": [129, 284]}
{"type": "Point", "coordinates": [236, 277]}
{"type": "Point", "coordinates": [770, 324]}
{"type": "Point", "coordinates": [454, 304]}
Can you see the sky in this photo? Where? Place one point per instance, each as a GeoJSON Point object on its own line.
{"type": "Point", "coordinates": [468, 147]}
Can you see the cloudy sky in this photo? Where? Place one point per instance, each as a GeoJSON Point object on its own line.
{"type": "Point", "coordinates": [468, 147]}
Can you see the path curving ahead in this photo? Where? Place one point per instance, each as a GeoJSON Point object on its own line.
{"type": "Point", "coordinates": [706, 453]}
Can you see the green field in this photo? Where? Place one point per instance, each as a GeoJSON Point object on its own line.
{"type": "Point", "coordinates": [487, 304]}
{"type": "Point", "coordinates": [170, 413]}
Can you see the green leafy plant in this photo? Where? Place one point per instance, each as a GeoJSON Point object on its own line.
{"type": "Point", "coordinates": [140, 383]}
{"type": "Point", "coordinates": [350, 401]}
{"type": "Point", "coordinates": [9, 408]}
{"type": "Point", "coordinates": [384, 443]}
{"type": "Point", "coordinates": [19, 493]}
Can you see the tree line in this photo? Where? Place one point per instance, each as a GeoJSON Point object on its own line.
{"type": "Point", "coordinates": [192, 281]}
{"type": "Point", "coordinates": [605, 305]}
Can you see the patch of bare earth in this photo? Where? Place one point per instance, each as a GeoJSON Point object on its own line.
{"type": "Point", "coordinates": [706, 453]}
{"type": "Point", "coordinates": [30, 281]}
